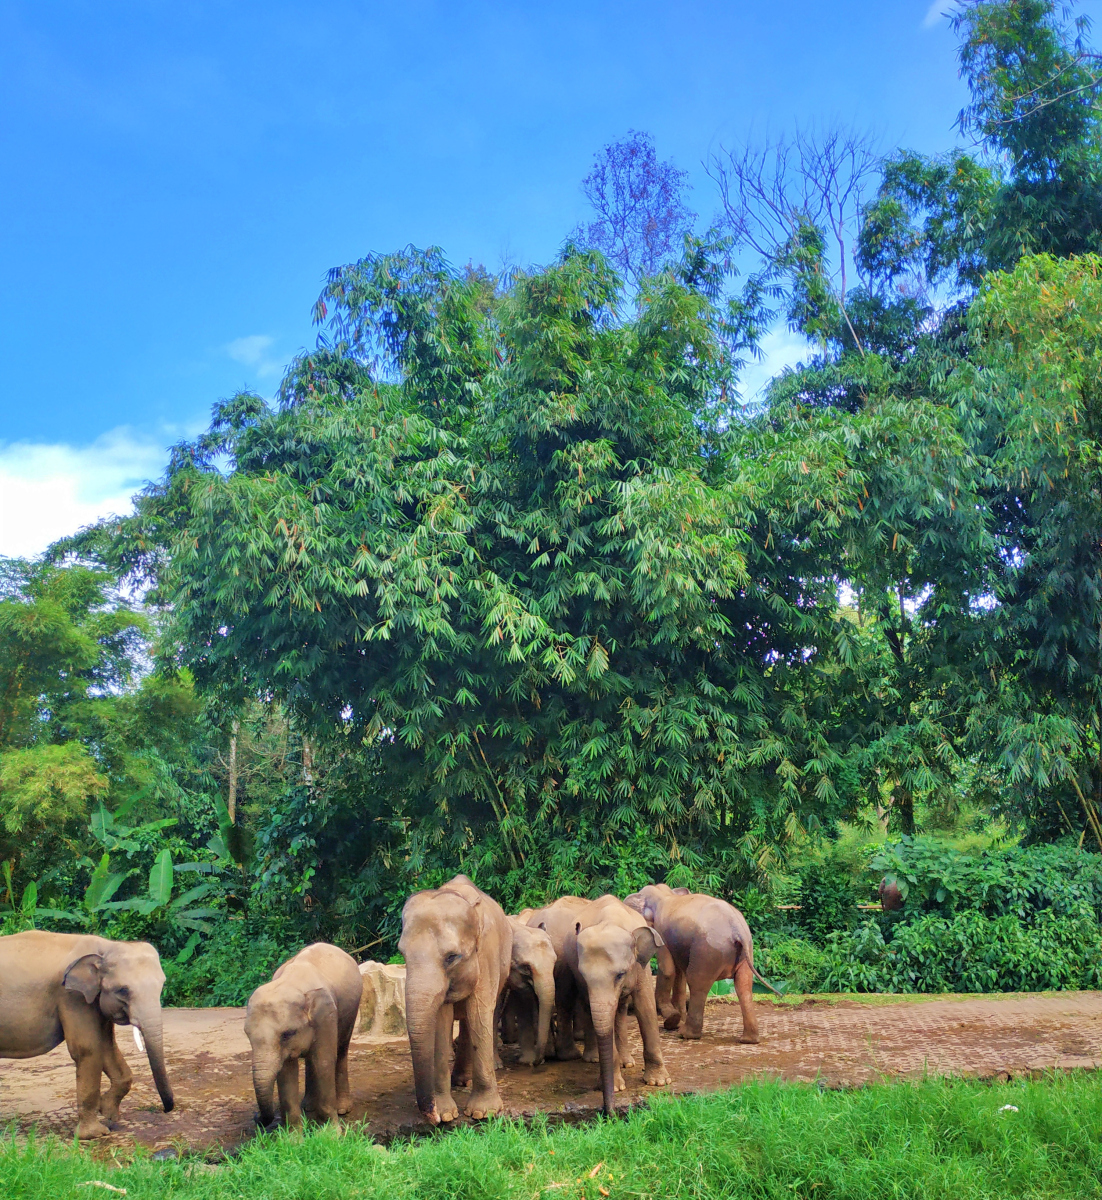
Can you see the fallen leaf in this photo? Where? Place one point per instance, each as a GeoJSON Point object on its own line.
{"type": "Point", "coordinates": [596, 1169]}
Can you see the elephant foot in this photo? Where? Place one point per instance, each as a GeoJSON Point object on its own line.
{"type": "Point", "coordinates": [344, 1105]}
{"type": "Point", "coordinates": [619, 1083]}
{"type": "Point", "coordinates": [483, 1104]}
{"type": "Point", "coordinates": [627, 1060]}
{"type": "Point", "coordinates": [462, 1079]}
{"type": "Point", "coordinates": [527, 1058]}
{"type": "Point", "coordinates": [672, 1021]}
{"type": "Point", "coordinates": [568, 1054]}
{"type": "Point", "coordinates": [750, 1037]}
{"type": "Point", "coordinates": [656, 1076]}
{"type": "Point", "coordinates": [591, 1055]}
{"type": "Point", "coordinates": [91, 1127]}
{"type": "Point", "coordinates": [691, 1035]}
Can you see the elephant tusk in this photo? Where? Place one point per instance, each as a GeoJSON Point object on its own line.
{"type": "Point", "coordinates": [139, 1041]}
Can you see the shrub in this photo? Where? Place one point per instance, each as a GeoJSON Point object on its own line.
{"type": "Point", "coordinates": [236, 959]}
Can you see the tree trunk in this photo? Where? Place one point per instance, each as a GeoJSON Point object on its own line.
{"type": "Point", "coordinates": [906, 812]}
{"type": "Point", "coordinates": [231, 802]}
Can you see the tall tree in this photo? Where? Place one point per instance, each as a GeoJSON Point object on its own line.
{"type": "Point", "coordinates": [638, 199]}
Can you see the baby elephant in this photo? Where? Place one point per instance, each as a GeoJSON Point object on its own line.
{"type": "Point", "coordinates": [706, 939]}
{"type": "Point", "coordinates": [307, 1011]}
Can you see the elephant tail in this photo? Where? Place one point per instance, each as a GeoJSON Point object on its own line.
{"type": "Point", "coordinates": [757, 974]}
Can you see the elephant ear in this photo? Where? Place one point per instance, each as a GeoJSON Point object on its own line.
{"type": "Point", "coordinates": [682, 891]}
{"type": "Point", "coordinates": [318, 1002]}
{"type": "Point", "coordinates": [647, 941]}
{"type": "Point", "coordinates": [84, 976]}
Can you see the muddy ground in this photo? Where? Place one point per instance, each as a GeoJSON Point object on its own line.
{"type": "Point", "coordinates": [841, 1042]}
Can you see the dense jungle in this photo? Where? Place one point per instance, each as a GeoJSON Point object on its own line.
{"type": "Point", "coordinates": [511, 578]}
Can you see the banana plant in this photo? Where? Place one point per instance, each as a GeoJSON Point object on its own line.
{"type": "Point", "coordinates": [27, 912]}
{"type": "Point", "coordinates": [158, 898]}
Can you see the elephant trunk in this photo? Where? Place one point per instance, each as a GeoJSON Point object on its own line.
{"type": "Point", "coordinates": [148, 1020]}
{"type": "Point", "coordinates": [604, 1026]}
{"type": "Point", "coordinates": [423, 1001]}
{"type": "Point", "coordinates": [265, 1069]}
{"type": "Point", "coordinates": [545, 999]}
{"type": "Point", "coordinates": [606, 1047]}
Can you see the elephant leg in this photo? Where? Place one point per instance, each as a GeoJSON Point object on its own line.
{"type": "Point", "coordinates": [461, 1068]}
{"type": "Point", "coordinates": [310, 1087]}
{"type": "Point", "coordinates": [344, 1091]}
{"type": "Point", "coordinates": [485, 1100]}
{"type": "Point", "coordinates": [700, 978]}
{"type": "Point", "coordinates": [84, 1039]}
{"type": "Point", "coordinates": [677, 1001]}
{"type": "Point", "coordinates": [510, 1019]}
{"type": "Point", "coordinates": [744, 989]}
{"type": "Point", "coordinates": [654, 1065]}
{"type": "Point", "coordinates": [565, 996]}
{"type": "Point", "coordinates": [526, 1011]}
{"type": "Point", "coordinates": [290, 1102]}
{"type": "Point", "coordinates": [623, 1052]}
{"type": "Point", "coordinates": [664, 987]}
{"type": "Point", "coordinates": [498, 1064]}
{"type": "Point", "coordinates": [321, 1068]}
{"type": "Point", "coordinates": [118, 1074]}
{"type": "Point", "coordinates": [446, 1108]}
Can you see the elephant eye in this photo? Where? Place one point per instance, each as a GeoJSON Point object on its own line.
{"type": "Point", "coordinates": [123, 993]}
{"type": "Point", "coordinates": [451, 959]}
{"type": "Point", "coordinates": [287, 1034]}
{"type": "Point", "coordinates": [620, 975]}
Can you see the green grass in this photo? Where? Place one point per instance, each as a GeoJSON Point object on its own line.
{"type": "Point", "coordinates": [932, 1139]}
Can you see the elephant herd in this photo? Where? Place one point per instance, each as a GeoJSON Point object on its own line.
{"type": "Point", "coordinates": [547, 978]}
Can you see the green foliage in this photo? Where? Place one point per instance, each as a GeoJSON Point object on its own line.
{"type": "Point", "coordinates": [1015, 882]}
{"type": "Point", "coordinates": [236, 959]}
{"type": "Point", "coordinates": [827, 898]}
{"type": "Point", "coordinates": [930, 1138]}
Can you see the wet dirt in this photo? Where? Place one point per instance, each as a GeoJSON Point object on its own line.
{"type": "Point", "coordinates": [841, 1043]}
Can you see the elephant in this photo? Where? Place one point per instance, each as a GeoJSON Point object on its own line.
{"type": "Point", "coordinates": [76, 988]}
{"type": "Point", "coordinates": [557, 920]}
{"type": "Point", "coordinates": [458, 945]}
{"type": "Point", "coordinates": [530, 998]}
{"type": "Point", "coordinates": [608, 953]}
{"type": "Point", "coordinates": [706, 939]}
{"type": "Point", "coordinates": [891, 896]}
{"type": "Point", "coordinates": [309, 1011]}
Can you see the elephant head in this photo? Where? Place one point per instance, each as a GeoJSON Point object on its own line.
{"type": "Point", "coordinates": [647, 899]}
{"type": "Point", "coordinates": [440, 937]}
{"type": "Point", "coordinates": [280, 1024]}
{"type": "Point", "coordinates": [124, 980]}
{"type": "Point", "coordinates": [533, 965]}
{"type": "Point", "coordinates": [610, 959]}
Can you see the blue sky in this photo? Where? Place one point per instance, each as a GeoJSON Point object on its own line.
{"type": "Point", "coordinates": [179, 176]}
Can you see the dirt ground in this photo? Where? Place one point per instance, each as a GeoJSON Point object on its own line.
{"type": "Point", "coordinates": [841, 1042]}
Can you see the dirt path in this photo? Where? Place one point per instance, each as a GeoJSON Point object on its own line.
{"type": "Point", "coordinates": [844, 1043]}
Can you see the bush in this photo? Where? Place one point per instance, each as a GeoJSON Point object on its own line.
{"type": "Point", "coordinates": [827, 898]}
{"type": "Point", "coordinates": [1018, 881]}
{"type": "Point", "coordinates": [968, 953]}
{"type": "Point", "coordinates": [236, 959]}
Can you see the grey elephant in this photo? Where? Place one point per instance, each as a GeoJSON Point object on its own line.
{"type": "Point", "coordinates": [530, 996]}
{"type": "Point", "coordinates": [308, 1011]}
{"type": "Point", "coordinates": [706, 939]}
{"type": "Point", "coordinates": [609, 952]}
{"type": "Point", "coordinates": [457, 943]}
{"type": "Point", "coordinates": [557, 920]}
{"type": "Point", "coordinates": [76, 988]}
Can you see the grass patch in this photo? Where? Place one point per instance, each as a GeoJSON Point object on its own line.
{"type": "Point", "coordinates": [937, 1138]}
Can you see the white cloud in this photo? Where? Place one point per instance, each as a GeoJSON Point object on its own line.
{"type": "Point", "coordinates": [934, 13]}
{"type": "Point", "coordinates": [253, 351]}
{"type": "Point", "coordinates": [48, 490]}
{"type": "Point", "coordinates": [780, 348]}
